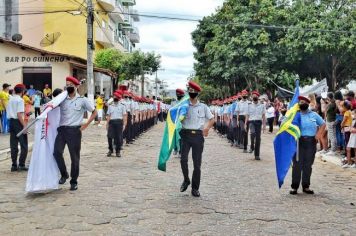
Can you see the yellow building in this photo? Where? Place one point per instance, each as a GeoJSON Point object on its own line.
{"type": "Point", "coordinates": [63, 27]}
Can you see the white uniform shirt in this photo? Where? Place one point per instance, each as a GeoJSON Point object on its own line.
{"type": "Point", "coordinates": [72, 110]}
{"type": "Point", "coordinates": [15, 105]}
{"type": "Point", "coordinates": [255, 111]}
{"type": "Point", "coordinates": [242, 108]}
{"type": "Point", "coordinates": [116, 111]}
{"type": "Point", "coordinates": [197, 115]}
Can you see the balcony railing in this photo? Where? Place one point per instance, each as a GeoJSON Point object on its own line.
{"type": "Point", "coordinates": [104, 37]}
{"type": "Point", "coordinates": [128, 3]}
{"type": "Point", "coordinates": [134, 35]}
{"type": "Point", "coordinates": [135, 16]}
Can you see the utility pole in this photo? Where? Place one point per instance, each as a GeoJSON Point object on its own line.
{"type": "Point", "coordinates": [90, 48]}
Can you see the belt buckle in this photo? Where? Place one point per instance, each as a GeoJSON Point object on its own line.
{"type": "Point", "coordinates": [193, 132]}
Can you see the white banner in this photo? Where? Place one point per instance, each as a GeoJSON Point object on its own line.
{"type": "Point", "coordinates": [317, 88]}
{"type": "Point", "coordinates": [43, 174]}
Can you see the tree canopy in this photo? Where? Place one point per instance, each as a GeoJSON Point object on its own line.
{"type": "Point", "coordinates": [247, 43]}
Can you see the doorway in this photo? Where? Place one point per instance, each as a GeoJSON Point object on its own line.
{"type": "Point", "coordinates": [38, 77]}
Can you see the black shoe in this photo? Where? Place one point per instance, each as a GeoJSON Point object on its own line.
{"type": "Point", "coordinates": [257, 158]}
{"type": "Point", "coordinates": [184, 186]}
{"type": "Point", "coordinates": [118, 154]}
{"type": "Point", "coordinates": [14, 168]}
{"type": "Point", "coordinates": [308, 191]}
{"type": "Point", "coordinates": [250, 151]}
{"type": "Point", "coordinates": [245, 151]}
{"type": "Point", "coordinates": [23, 168]}
{"type": "Point", "coordinates": [195, 193]}
{"type": "Point", "coordinates": [109, 154]}
{"type": "Point", "coordinates": [63, 180]}
{"type": "Point", "coordinates": [293, 192]}
{"type": "Point", "coordinates": [73, 187]}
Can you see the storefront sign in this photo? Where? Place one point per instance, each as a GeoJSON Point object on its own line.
{"type": "Point", "coordinates": [34, 59]}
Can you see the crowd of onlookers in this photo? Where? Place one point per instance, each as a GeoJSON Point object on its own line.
{"type": "Point", "coordinates": [33, 100]}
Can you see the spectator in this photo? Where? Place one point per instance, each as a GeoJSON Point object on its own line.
{"type": "Point", "coordinates": [28, 106]}
{"type": "Point", "coordinates": [270, 113]}
{"type": "Point", "coordinates": [331, 111]}
{"type": "Point", "coordinates": [282, 116]}
{"type": "Point", "coordinates": [313, 104]}
{"type": "Point", "coordinates": [322, 139]}
{"type": "Point", "coordinates": [31, 92]}
{"type": "Point", "coordinates": [47, 91]}
{"type": "Point", "coordinates": [340, 140]}
{"type": "Point", "coordinates": [351, 145]}
{"type": "Point", "coordinates": [99, 108]}
{"type": "Point", "coordinates": [37, 103]}
{"type": "Point", "coordinates": [350, 96]}
{"type": "Point", "coordinates": [347, 121]}
{"type": "Point", "coordinates": [4, 100]}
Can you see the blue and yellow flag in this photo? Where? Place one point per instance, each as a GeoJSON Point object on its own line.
{"type": "Point", "coordinates": [286, 140]}
{"type": "Point", "coordinates": [171, 137]}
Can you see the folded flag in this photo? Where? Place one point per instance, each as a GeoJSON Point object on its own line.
{"type": "Point", "coordinates": [171, 137]}
{"type": "Point", "coordinates": [286, 140]}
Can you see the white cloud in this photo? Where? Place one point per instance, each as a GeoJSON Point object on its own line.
{"type": "Point", "coordinates": [172, 39]}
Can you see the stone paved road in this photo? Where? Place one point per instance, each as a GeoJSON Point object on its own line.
{"type": "Point", "coordinates": [128, 196]}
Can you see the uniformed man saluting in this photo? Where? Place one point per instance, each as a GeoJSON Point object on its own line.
{"type": "Point", "coordinates": [70, 131]}
{"type": "Point", "coordinates": [116, 122]}
{"type": "Point", "coordinates": [194, 128]}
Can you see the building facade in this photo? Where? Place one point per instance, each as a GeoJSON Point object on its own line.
{"type": "Point", "coordinates": [62, 28]}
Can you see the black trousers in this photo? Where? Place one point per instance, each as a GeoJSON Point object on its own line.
{"type": "Point", "coordinates": [270, 122]}
{"type": "Point", "coordinates": [194, 141]}
{"type": "Point", "coordinates": [115, 135]}
{"type": "Point", "coordinates": [15, 128]}
{"type": "Point", "coordinates": [72, 136]}
{"type": "Point", "coordinates": [37, 111]}
{"type": "Point", "coordinates": [128, 130]}
{"type": "Point", "coordinates": [302, 169]}
{"type": "Point", "coordinates": [255, 129]}
{"type": "Point", "coordinates": [243, 131]}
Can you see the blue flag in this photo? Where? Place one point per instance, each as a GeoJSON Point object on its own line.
{"type": "Point", "coordinates": [286, 140]}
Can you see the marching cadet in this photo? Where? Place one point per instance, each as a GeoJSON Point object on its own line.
{"type": "Point", "coordinates": [242, 110]}
{"type": "Point", "coordinates": [238, 129]}
{"type": "Point", "coordinates": [256, 118]}
{"type": "Point", "coordinates": [312, 127]}
{"type": "Point", "coordinates": [129, 109]}
{"type": "Point", "coordinates": [15, 115]}
{"type": "Point", "coordinates": [116, 123]}
{"type": "Point", "coordinates": [194, 128]}
{"type": "Point", "coordinates": [70, 130]}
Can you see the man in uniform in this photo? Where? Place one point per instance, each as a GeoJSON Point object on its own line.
{"type": "Point", "coordinates": [256, 118]}
{"type": "Point", "coordinates": [15, 113]}
{"type": "Point", "coordinates": [70, 130]}
{"type": "Point", "coordinates": [194, 128]}
{"type": "Point", "coordinates": [242, 110]}
{"type": "Point", "coordinates": [116, 122]}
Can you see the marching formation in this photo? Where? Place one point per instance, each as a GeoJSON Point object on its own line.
{"type": "Point", "coordinates": [240, 115]}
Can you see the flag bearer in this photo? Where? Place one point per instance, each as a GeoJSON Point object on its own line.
{"type": "Point", "coordinates": [15, 114]}
{"type": "Point", "coordinates": [312, 127]}
{"type": "Point", "coordinates": [195, 127]}
{"type": "Point", "coordinates": [70, 131]}
{"type": "Point", "coordinates": [116, 123]}
{"type": "Point", "coordinates": [256, 118]}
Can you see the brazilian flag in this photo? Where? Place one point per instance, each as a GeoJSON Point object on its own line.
{"type": "Point", "coordinates": [286, 140]}
{"type": "Point", "coordinates": [171, 137]}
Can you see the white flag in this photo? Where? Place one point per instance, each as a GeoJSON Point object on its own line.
{"type": "Point", "coordinates": [43, 173]}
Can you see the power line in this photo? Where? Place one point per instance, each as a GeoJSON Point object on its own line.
{"type": "Point", "coordinates": [243, 25]}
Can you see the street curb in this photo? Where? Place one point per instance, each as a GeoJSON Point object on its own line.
{"type": "Point", "coordinates": [334, 160]}
{"type": "Point", "coordinates": [5, 153]}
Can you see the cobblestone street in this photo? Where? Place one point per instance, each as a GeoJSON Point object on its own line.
{"type": "Point", "coordinates": [129, 196]}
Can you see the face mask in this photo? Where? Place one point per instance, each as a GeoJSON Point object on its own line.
{"type": "Point", "coordinates": [283, 113]}
{"type": "Point", "coordinates": [179, 97]}
{"type": "Point", "coordinates": [116, 99]}
{"type": "Point", "coordinates": [239, 99]}
{"type": "Point", "coordinates": [255, 99]}
{"type": "Point", "coordinates": [70, 90]}
{"type": "Point", "coordinates": [193, 95]}
{"type": "Point", "coordinates": [304, 106]}
{"type": "Point", "coordinates": [244, 97]}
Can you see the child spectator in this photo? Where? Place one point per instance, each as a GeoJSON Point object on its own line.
{"type": "Point", "coordinates": [351, 145]}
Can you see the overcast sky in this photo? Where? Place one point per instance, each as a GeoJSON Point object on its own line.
{"type": "Point", "coordinates": [172, 39]}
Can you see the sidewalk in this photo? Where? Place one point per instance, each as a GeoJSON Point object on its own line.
{"type": "Point", "coordinates": [5, 144]}
{"type": "Point", "coordinates": [334, 159]}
